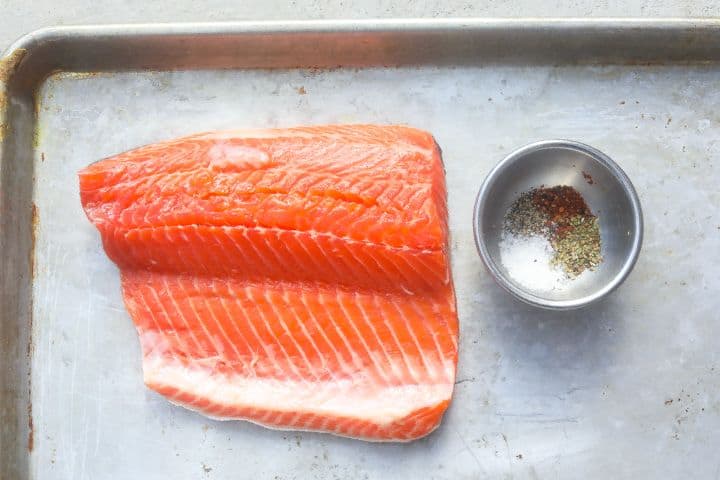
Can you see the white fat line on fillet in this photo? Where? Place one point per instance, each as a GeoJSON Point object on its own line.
{"type": "Point", "coordinates": [276, 340]}
{"type": "Point", "coordinates": [379, 407]}
{"type": "Point", "coordinates": [323, 423]}
{"type": "Point", "coordinates": [303, 328]}
{"type": "Point", "coordinates": [278, 418]}
{"type": "Point", "coordinates": [353, 268]}
{"type": "Point", "coordinates": [390, 362]}
{"type": "Point", "coordinates": [321, 262]}
{"type": "Point", "coordinates": [117, 238]}
{"type": "Point", "coordinates": [186, 262]}
{"type": "Point", "coordinates": [341, 361]}
{"type": "Point", "coordinates": [372, 255]}
{"type": "Point", "coordinates": [273, 251]}
{"type": "Point", "coordinates": [316, 263]}
{"type": "Point", "coordinates": [146, 247]}
{"type": "Point", "coordinates": [311, 233]}
{"type": "Point", "coordinates": [371, 355]}
{"type": "Point", "coordinates": [390, 263]}
{"type": "Point", "coordinates": [328, 258]}
{"type": "Point", "coordinates": [133, 247]}
{"type": "Point", "coordinates": [227, 260]}
{"type": "Point", "coordinates": [239, 335]}
{"type": "Point", "coordinates": [432, 333]}
{"type": "Point", "coordinates": [432, 269]}
{"type": "Point", "coordinates": [269, 353]}
{"type": "Point", "coordinates": [265, 417]}
{"type": "Point", "coordinates": [353, 354]}
{"type": "Point", "coordinates": [393, 334]}
{"type": "Point", "coordinates": [451, 304]}
{"type": "Point", "coordinates": [358, 366]}
{"type": "Point", "coordinates": [183, 235]}
{"type": "Point", "coordinates": [258, 254]}
{"type": "Point", "coordinates": [309, 419]}
{"type": "Point", "coordinates": [199, 319]}
{"type": "Point", "coordinates": [310, 368]}
{"type": "Point", "coordinates": [430, 370]}
{"type": "Point", "coordinates": [181, 315]}
{"type": "Point", "coordinates": [294, 419]}
{"type": "Point", "coordinates": [289, 260]}
{"type": "Point", "coordinates": [221, 328]}
{"type": "Point", "coordinates": [182, 341]}
{"type": "Point", "coordinates": [420, 420]}
{"type": "Point", "coordinates": [228, 410]}
{"type": "Point", "coordinates": [321, 330]}
{"type": "Point", "coordinates": [344, 425]}
{"type": "Point", "coordinates": [355, 426]}
{"type": "Point", "coordinates": [149, 337]}
{"type": "Point", "coordinates": [365, 430]}
{"type": "Point", "coordinates": [396, 259]}
{"type": "Point", "coordinates": [417, 424]}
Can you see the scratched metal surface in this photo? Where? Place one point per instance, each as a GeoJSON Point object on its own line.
{"type": "Point", "coordinates": [629, 388]}
{"type": "Point", "coordinates": [539, 392]}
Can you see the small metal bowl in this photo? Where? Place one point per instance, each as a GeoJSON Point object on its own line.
{"type": "Point", "coordinates": [607, 191]}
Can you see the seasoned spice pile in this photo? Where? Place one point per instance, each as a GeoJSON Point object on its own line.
{"type": "Point", "coordinates": [561, 215]}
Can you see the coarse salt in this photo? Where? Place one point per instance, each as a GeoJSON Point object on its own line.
{"type": "Point", "coordinates": [527, 260]}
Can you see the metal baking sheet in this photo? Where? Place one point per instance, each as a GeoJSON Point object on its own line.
{"type": "Point", "coordinates": [629, 388]}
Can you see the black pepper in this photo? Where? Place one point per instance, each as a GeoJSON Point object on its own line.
{"type": "Point", "coordinates": [561, 215]}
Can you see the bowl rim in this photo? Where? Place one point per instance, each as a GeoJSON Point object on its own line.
{"type": "Point", "coordinates": [527, 296]}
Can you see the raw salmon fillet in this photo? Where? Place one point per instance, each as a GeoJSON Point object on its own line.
{"type": "Point", "coordinates": [296, 278]}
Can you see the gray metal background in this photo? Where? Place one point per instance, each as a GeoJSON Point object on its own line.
{"type": "Point", "coordinates": [629, 388]}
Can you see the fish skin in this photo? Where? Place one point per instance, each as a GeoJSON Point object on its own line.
{"type": "Point", "coordinates": [295, 278]}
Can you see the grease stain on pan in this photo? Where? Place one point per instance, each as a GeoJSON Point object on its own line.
{"type": "Point", "coordinates": [31, 435]}
{"type": "Point", "coordinates": [34, 221]}
{"type": "Point", "coordinates": [8, 67]}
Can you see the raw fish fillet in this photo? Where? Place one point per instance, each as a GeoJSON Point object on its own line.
{"type": "Point", "coordinates": [297, 278]}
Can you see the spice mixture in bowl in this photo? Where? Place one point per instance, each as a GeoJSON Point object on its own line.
{"type": "Point", "coordinates": [558, 224]}
{"type": "Point", "coordinates": [565, 225]}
